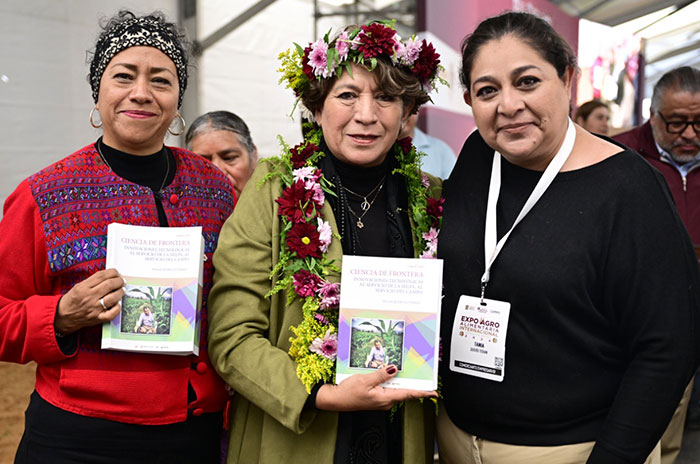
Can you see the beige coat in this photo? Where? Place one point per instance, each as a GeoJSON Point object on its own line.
{"type": "Point", "coordinates": [249, 339]}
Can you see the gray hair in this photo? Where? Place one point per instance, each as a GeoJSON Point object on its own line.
{"type": "Point", "coordinates": [221, 120]}
{"type": "Point", "coordinates": [685, 78]}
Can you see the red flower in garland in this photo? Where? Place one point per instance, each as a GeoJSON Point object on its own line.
{"type": "Point", "coordinates": [305, 66]}
{"type": "Point", "coordinates": [427, 62]}
{"type": "Point", "coordinates": [299, 157]}
{"type": "Point", "coordinates": [305, 283]}
{"type": "Point", "coordinates": [303, 239]}
{"type": "Point", "coordinates": [376, 39]}
{"type": "Point", "coordinates": [295, 202]}
{"type": "Point", "coordinates": [434, 209]}
{"type": "Point", "coordinates": [405, 144]}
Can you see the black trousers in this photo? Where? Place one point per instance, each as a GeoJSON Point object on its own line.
{"type": "Point", "coordinates": [52, 435]}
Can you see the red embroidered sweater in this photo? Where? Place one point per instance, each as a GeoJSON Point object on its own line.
{"type": "Point", "coordinates": [52, 236]}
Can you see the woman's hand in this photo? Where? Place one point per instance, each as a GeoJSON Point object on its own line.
{"type": "Point", "coordinates": [81, 306]}
{"type": "Point", "coordinates": [361, 392]}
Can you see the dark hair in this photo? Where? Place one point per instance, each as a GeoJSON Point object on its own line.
{"type": "Point", "coordinates": [221, 120]}
{"type": "Point", "coordinates": [685, 78]}
{"type": "Point", "coordinates": [126, 29]}
{"type": "Point", "coordinates": [587, 108]}
{"type": "Point", "coordinates": [394, 80]}
{"type": "Point", "coordinates": [535, 31]}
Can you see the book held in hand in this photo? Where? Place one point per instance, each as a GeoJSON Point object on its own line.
{"type": "Point", "coordinates": [390, 314]}
{"type": "Point", "coordinates": [163, 268]}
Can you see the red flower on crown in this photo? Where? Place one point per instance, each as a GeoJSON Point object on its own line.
{"type": "Point", "coordinates": [305, 66]}
{"type": "Point", "coordinates": [296, 202]}
{"type": "Point", "coordinates": [376, 39]}
{"type": "Point", "coordinates": [427, 62]}
{"type": "Point", "coordinates": [303, 239]}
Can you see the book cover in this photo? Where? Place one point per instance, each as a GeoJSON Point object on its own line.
{"type": "Point", "coordinates": [163, 268]}
{"type": "Point", "coordinates": [390, 314]}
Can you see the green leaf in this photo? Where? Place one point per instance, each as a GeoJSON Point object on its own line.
{"type": "Point", "coordinates": [300, 49]}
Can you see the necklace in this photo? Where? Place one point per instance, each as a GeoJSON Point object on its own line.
{"type": "Point", "coordinates": [158, 194]}
{"type": "Point", "coordinates": [365, 205]}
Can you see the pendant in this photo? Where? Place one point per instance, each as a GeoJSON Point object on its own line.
{"type": "Point", "coordinates": [360, 224]}
{"type": "Point", "coordinates": [365, 205]}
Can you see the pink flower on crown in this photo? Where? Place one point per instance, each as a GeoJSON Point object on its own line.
{"type": "Point", "coordinates": [321, 318]}
{"type": "Point", "coordinates": [324, 234]}
{"type": "Point", "coordinates": [342, 46]}
{"type": "Point", "coordinates": [317, 59]}
{"type": "Point", "coordinates": [408, 53]}
{"type": "Point", "coordinates": [326, 347]}
{"type": "Point", "coordinates": [330, 295]}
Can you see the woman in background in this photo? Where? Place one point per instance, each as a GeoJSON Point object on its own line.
{"type": "Point", "coordinates": [224, 139]}
{"type": "Point", "coordinates": [594, 116]}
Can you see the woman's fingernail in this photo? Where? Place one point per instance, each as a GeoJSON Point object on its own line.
{"type": "Point", "coordinates": [391, 370]}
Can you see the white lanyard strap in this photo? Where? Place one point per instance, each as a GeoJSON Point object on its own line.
{"type": "Point", "coordinates": [491, 248]}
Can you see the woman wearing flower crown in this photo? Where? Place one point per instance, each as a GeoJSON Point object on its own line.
{"type": "Point", "coordinates": [349, 188]}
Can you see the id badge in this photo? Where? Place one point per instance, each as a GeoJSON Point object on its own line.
{"type": "Point", "coordinates": [478, 345]}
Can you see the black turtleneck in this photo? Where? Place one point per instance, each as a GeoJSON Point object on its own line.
{"type": "Point", "coordinates": [148, 171]}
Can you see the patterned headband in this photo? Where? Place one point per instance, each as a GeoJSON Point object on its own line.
{"type": "Point", "coordinates": [146, 31]}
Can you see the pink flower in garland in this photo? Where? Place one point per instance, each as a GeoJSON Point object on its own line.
{"type": "Point", "coordinates": [431, 239]}
{"type": "Point", "coordinates": [305, 283]}
{"type": "Point", "coordinates": [434, 209]}
{"type": "Point", "coordinates": [325, 234]}
{"type": "Point", "coordinates": [321, 318]}
{"type": "Point", "coordinates": [376, 39]}
{"type": "Point", "coordinates": [330, 295]}
{"type": "Point", "coordinates": [326, 347]}
{"type": "Point", "coordinates": [425, 182]}
{"type": "Point", "coordinates": [317, 59]}
{"type": "Point", "coordinates": [426, 64]}
{"type": "Point", "coordinates": [303, 239]}
{"type": "Point", "coordinates": [296, 202]}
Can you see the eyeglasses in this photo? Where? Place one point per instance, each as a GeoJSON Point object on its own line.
{"type": "Point", "coordinates": [678, 127]}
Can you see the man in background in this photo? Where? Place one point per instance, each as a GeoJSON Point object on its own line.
{"type": "Point", "coordinates": [670, 141]}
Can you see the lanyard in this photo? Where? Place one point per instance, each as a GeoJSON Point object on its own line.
{"type": "Point", "coordinates": [491, 248]}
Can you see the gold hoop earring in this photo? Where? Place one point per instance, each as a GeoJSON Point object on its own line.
{"type": "Point", "coordinates": [92, 121]}
{"type": "Point", "coordinates": [182, 130]}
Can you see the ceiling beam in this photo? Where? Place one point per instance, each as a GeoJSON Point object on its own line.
{"type": "Point", "coordinates": [232, 25]}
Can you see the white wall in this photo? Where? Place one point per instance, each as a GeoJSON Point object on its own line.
{"type": "Point", "coordinates": [239, 73]}
{"type": "Point", "coordinates": [45, 99]}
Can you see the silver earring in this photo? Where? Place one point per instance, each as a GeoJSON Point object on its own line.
{"type": "Point", "coordinates": [182, 129]}
{"type": "Point", "coordinates": [92, 121]}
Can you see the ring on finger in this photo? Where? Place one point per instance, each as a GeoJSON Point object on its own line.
{"type": "Point", "coordinates": [102, 302]}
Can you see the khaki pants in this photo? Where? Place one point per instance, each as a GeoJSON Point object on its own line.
{"type": "Point", "coordinates": [673, 436]}
{"type": "Point", "coordinates": [459, 447]}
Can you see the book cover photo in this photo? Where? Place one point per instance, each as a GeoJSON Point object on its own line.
{"type": "Point", "coordinates": [390, 314]}
{"type": "Point", "coordinates": [163, 268]}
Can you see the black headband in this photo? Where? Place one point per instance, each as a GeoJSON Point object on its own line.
{"type": "Point", "coordinates": [146, 31]}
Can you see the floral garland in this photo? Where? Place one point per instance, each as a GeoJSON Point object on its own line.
{"type": "Point", "coordinates": [303, 265]}
{"type": "Point", "coordinates": [362, 46]}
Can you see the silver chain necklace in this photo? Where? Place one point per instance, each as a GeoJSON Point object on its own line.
{"type": "Point", "coordinates": [366, 204]}
{"type": "Point", "coordinates": [159, 193]}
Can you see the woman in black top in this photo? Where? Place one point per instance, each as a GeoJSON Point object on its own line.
{"type": "Point", "coordinates": [598, 275]}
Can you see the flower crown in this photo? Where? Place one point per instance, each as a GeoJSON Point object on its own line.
{"type": "Point", "coordinates": [359, 45]}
